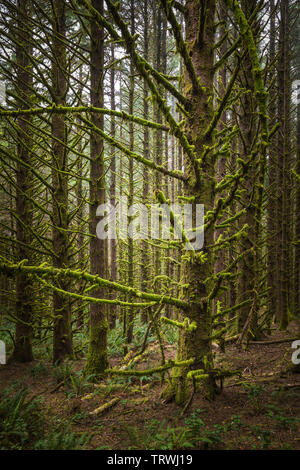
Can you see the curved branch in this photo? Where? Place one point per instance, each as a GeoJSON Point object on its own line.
{"type": "Point", "coordinates": [11, 269]}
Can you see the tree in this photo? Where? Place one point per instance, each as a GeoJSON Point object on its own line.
{"type": "Point", "coordinates": [24, 302]}
{"type": "Point", "coordinates": [62, 336]}
{"type": "Point", "coordinates": [97, 361]}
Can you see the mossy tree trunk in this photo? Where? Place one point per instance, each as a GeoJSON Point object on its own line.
{"type": "Point", "coordinates": [248, 125]}
{"type": "Point", "coordinates": [283, 209]}
{"type": "Point", "coordinates": [200, 32]}
{"type": "Point", "coordinates": [271, 202]}
{"type": "Point", "coordinates": [297, 208]}
{"type": "Point", "coordinates": [297, 219]}
{"type": "Point", "coordinates": [81, 251]}
{"type": "Point", "coordinates": [24, 292]}
{"type": "Point", "coordinates": [113, 243]}
{"type": "Point", "coordinates": [157, 115]}
{"type": "Point", "coordinates": [62, 335]}
{"type": "Point", "coordinates": [296, 35]}
{"type": "Point", "coordinates": [220, 262]}
{"type": "Point", "coordinates": [145, 251]}
{"type": "Point", "coordinates": [130, 311]}
{"type": "Point", "coordinates": [97, 360]}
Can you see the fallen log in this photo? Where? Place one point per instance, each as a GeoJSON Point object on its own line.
{"type": "Point", "coordinates": [105, 407]}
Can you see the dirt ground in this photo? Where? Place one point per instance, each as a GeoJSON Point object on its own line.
{"type": "Point", "coordinates": [262, 415]}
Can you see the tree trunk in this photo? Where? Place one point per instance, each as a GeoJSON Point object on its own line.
{"type": "Point", "coordinates": [130, 311]}
{"type": "Point", "coordinates": [62, 335]}
{"type": "Point", "coordinates": [248, 124]}
{"type": "Point", "coordinates": [271, 207]}
{"type": "Point", "coordinates": [283, 210]}
{"type": "Point", "coordinates": [97, 360]}
{"type": "Point", "coordinates": [24, 292]}
{"type": "Point", "coordinates": [145, 252]}
{"type": "Point", "coordinates": [196, 344]}
{"type": "Point", "coordinates": [113, 244]}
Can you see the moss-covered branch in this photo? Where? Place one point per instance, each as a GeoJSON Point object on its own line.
{"type": "Point", "coordinates": [155, 370]}
{"type": "Point", "coordinates": [174, 174]}
{"type": "Point", "coordinates": [82, 109]}
{"type": "Point", "coordinates": [10, 269]}
{"type": "Point", "coordinates": [85, 298]}
{"type": "Point", "coordinates": [181, 44]}
{"type": "Point", "coordinates": [186, 325]}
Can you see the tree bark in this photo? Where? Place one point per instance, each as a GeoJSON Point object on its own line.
{"type": "Point", "coordinates": [62, 334]}
{"type": "Point", "coordinates": [283, 209]}
{"type": "Point", "coordinates": [248, 122]}
{"type": "Point", "coordinates": [24, 291]}
{"type": "Point", "coordinates": [200, 32]}
{"type": "Point", "coordinates": [97, 360]}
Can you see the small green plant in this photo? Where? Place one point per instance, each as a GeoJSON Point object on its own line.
{"type": "Point", "coordinates": [149, 438]}
{"type": "Point", "coordinates": [281, 421]}
{"type": "Point", "coordinates": [76, 381]}
{"type": "Point", "coordinates": [79, 383]}
{"type": "Point", "coordinates": [235, 423]}
{"type": "Point", "coordinates": [198, 433]}
{"type": "Point", "coordinates": [98, 424]}
{"type": "Point", "coordinates": [177, 438]}
{"type": "Point", "coordinates": [263, 435]}
{"type": "Point", "coordinates": [157, 436]}
{"type": "Point", "coordinates": [39, 369]}
{"type": "Point", "coordinates": [254, 394]}
{"type": "Point", "coordinates": [279, 395]}
{"type": "Point", "coordinates": [195, 422]}
{"type": "Point", "coordinates": [287, 446]}
{"type": "Point", "coordinates": [22, 425]}
{"type": "Point", "coordinates": [78, 417]}
{"type": "Point", "coordinates": [62, 372]}
{"type": "Point", "coordinates": [212, 437]}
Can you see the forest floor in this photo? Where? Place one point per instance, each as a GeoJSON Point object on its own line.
{"type": "Point", "coordinates": [259, 410]}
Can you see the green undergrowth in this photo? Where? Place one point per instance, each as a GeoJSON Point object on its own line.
{"type": "Point", "coordinates": [117, 341]}
{"type": "Point", "coordinates": [24, 424]}
{"type": "Point", "coordinates": [43, 343]}
{"type": "Point", "coordinates": [195, 433]}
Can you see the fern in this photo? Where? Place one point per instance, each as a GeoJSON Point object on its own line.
{"type": "Point", "coordinates": [21, 420]}
{"type": "Point", "coordinates": [62, 438]}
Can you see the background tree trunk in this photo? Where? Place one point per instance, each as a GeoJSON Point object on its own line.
{"type": "Point", "coordinates": [97, 360]}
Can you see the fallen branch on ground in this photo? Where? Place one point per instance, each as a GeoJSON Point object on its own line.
{"type": "Point", "coordinates": [105, 407]}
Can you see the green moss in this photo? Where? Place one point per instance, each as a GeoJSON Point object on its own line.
{"type": "Point", "coordinates": [185, 324]}
{"type": "Point", "coordinates": [97, 361]}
